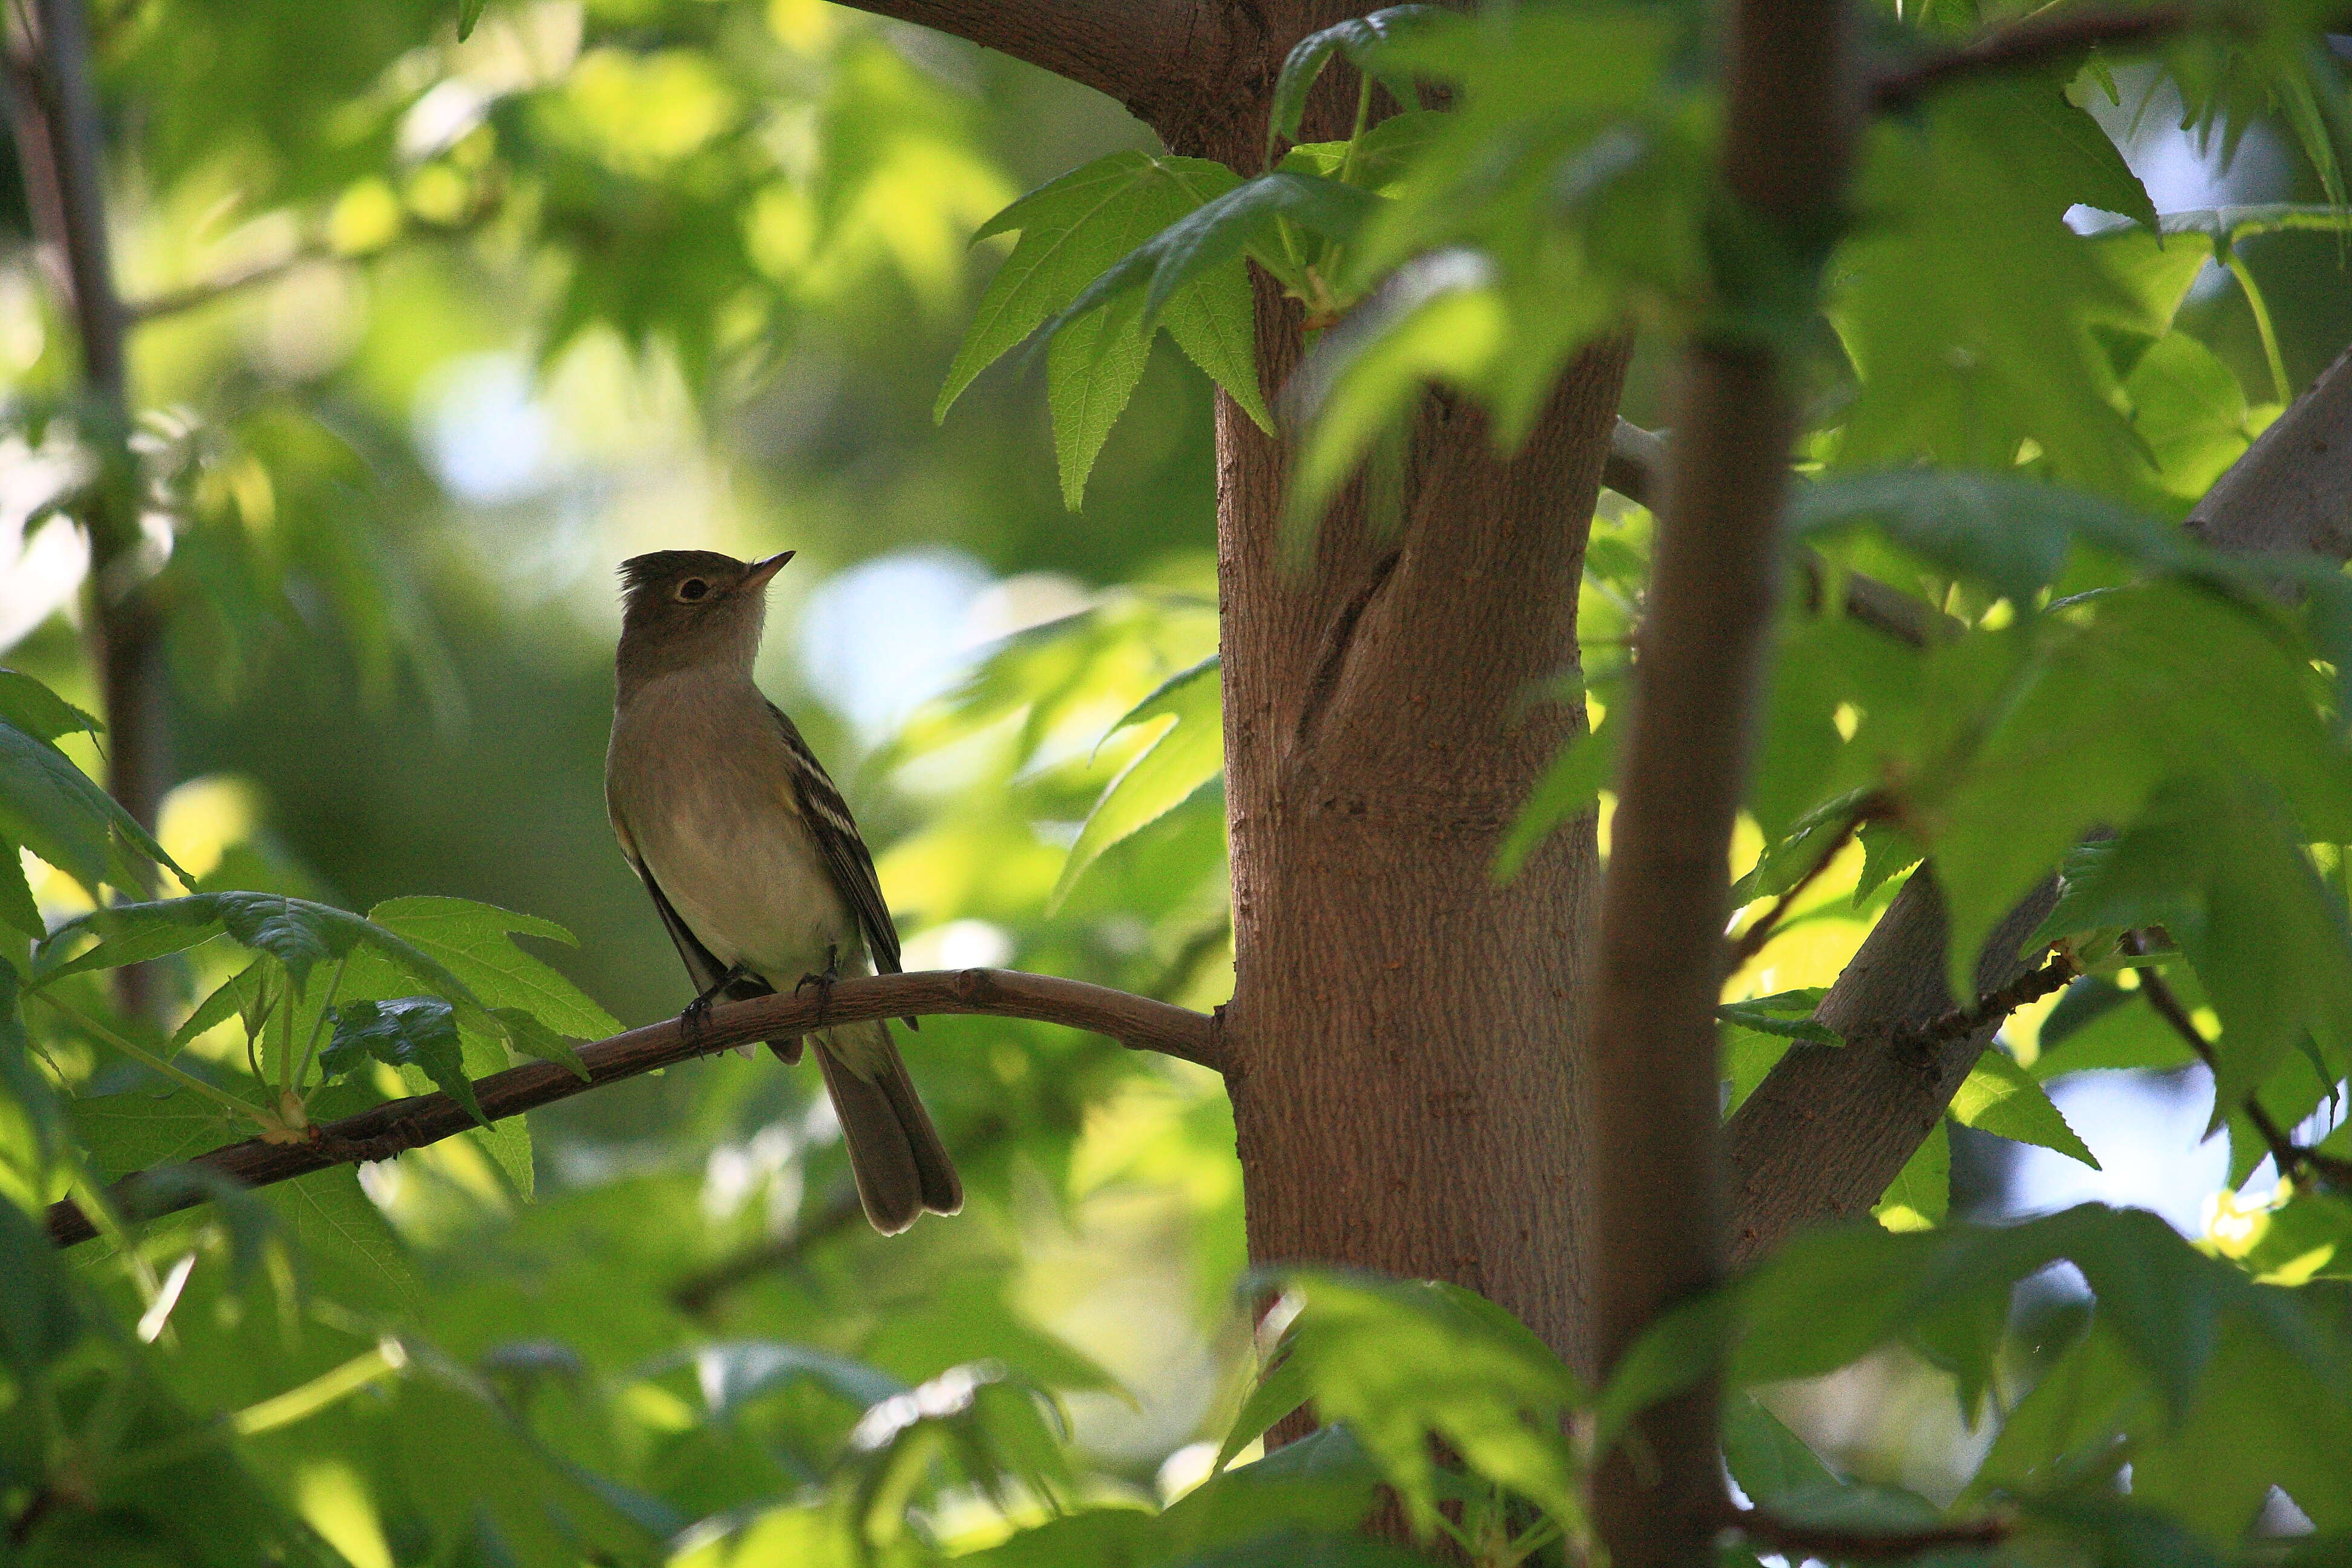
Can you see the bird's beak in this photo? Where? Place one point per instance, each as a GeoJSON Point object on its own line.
{"type": "Point", "coordinates": [763, 569]}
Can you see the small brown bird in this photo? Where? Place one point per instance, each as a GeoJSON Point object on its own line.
{"type": "Point", "coordinates": [750, 855]}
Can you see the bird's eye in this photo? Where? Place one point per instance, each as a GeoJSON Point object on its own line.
{"type": "Point", "coordinates": [693, 588]}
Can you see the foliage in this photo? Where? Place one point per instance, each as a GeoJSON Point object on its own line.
{"type": "Point", "coordinates": [544, 1343]}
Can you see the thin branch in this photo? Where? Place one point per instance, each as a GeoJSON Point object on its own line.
{"type": "Point", "coordinates": [1751, 942]}
{"type": "Point", "coordinates": [2291, 1157]}
{"type": "Point", "coordinates": [383, 1130]}
{"type": "Point", "coordinates": [1988, 1010]}
{"type": "Point", "coordinates": [206, 290]}
{"type": "Point", "coordinates": [1798, 1542]}
{"type": "Point", "coordinates": [2039, 40]}
{"type": "Point", "coordinates": [699, 1291]}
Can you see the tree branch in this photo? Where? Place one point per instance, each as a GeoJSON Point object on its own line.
{"type": "Point", "coordinates": [1798, 1542]}
{"type": "Point", "coordinates": [2040, 39]}
{"type": "Point", "coordinates": [378, 1134]}
{"type": "Point", "coordinates": [1654, 1116]}
{"type": "Point", "coordinates": [1828, 1129]}
{"type": "Point", "coordinates": [1125, 48]}
{"type": "Point", "coordinates": [2291, 1157]}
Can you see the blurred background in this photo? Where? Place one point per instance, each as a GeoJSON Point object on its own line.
{"type": "Point", "coordinates": [433, 334]}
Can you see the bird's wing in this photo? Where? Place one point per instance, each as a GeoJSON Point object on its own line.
{"type": "Point", "coordinates": [845, 855]}
{"type": "Point", "coordinates": [702, 965]}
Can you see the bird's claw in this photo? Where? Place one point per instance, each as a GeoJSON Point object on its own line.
{"type": "Point", "coordinates": [823, 982]}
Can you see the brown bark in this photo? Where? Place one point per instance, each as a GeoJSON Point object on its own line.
{"type": "Point", "coordinates": [1696, 681]}
{"type": "Point", "coordinates": [1137, 1022]}
{"type": "Point", "coordinates": [1827, 1130]}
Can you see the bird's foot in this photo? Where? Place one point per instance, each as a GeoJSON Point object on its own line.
{"type": "Point", "coordinates": [823, 982]}
{"type": "Point", "coordinates": [697, 1012]}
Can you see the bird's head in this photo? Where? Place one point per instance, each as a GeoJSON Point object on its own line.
{"type": "Point", "coordinates": [683, 609]}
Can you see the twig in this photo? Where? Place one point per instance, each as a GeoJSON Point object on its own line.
{"type": "Point", "coordinates": [2288, 1155]}
{"type": "Point", "coordinates": [1796, 1540]}
{"type": "Point", "coordinates": [204, 291]}
{"type": "Point", "coordinates": [2038, 40]}
{"type": "Point", "coordinates": [1135, 1022]}
{"type": "Point", "coordinates": [1751, 940]}
{"type": "Point", "coordinates": [1989, 1008]}
{"type": "Point", "coordinates": [698, 1292]}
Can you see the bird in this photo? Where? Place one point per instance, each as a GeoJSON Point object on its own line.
{"type": "Point", "coordinates": [750, 855]}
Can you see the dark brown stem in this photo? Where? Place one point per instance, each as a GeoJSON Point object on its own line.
{"type": "Point", "coordinates": [1988, 1010]}
{"type": "Point", "coordinates": [1695, 687]}
{"type": "Point", "coordinates": [1798, 1542]}
{"type": "Point", "coordinates": [2291, 1157]}
{"type": "Point", "coordinates": [2037, 41]}
{"type": "Point", "coordinates": [64, 169]}
{"type": "Point", "coordinates": [378, 1134]}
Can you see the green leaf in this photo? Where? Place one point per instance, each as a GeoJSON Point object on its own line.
{"type": "Point", "coordinates": [1216, 233]}
{"type": "Point", "coordinates": [1439, 319]}
{"type": "Point", "coordinates": [1071, 231]}
{"type": "Point", "coordinates": [472, 941]}
{"type": "Point", "coordinates": [51, 807]}
{"type": "Point", "coordinates": [526, 1033]}
{"type": "Point", "coordinates": [1886, 851]}
{"type": "Point", "coordinates": [470, 11]}
{"type": "Point", "coordinates": [410, 1031]}
{"type": "Point", "coordinates": [1766, 1459]}
{"type": "Point", "coordinates": [2189, 706]}
{"type": "Point", "coordinates": [1281, 1387]}
{"type": "Point", "coordinates": [39, 711]}
{"type": "Point", "coordinates": [21, 1082]}
{"type": "Point", "coordinates": [234, 997]}
{"type": "Point", "coordinates": [1920, 1196]}
{"type": "Point", "coordinates": [17, 905]}
{"type": "Point", "coordinates": [733, 1374]}
{"type": "Point", "coordinates": [1091, 369]}
{"type": "Point", "coordinates": [1356, 37]}
{"type": "Point", "coordinates": [1403, 1362]}
{"type": "Point", "coordinates": [1570, 787]}
{"type": "Point", "coordinates": [1322, 1481]}
{"type": "Point", "coordinates": [2220, 866]}
{"type": "Point", "coordinates": [1186, 751]}
{"type": "Point", "coordinates": [2002, 1098]}
{"type": "Point", "coordinates": [1787, 1014]}
{"type": "Point", "coordinates": [39, 1319]}
{"type": "Point", "coordinates": [2011, 534]}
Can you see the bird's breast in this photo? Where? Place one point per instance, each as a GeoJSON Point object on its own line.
{"type": "Point", "coordinates": [722, 834]}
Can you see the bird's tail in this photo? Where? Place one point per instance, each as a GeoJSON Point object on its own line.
{"type": "Point", "coordinates": [894, 1153]}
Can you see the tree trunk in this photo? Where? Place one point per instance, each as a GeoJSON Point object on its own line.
{"type": "Point", "coordinates": [1404, 1032]}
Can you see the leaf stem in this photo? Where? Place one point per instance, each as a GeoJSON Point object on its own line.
{"type": "Point", "coordinates": [326, 1005]}
{"type": "Point", "coordinates": [148, 1058]}
{"type": "Point", "coordinates": [2262, 325]}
